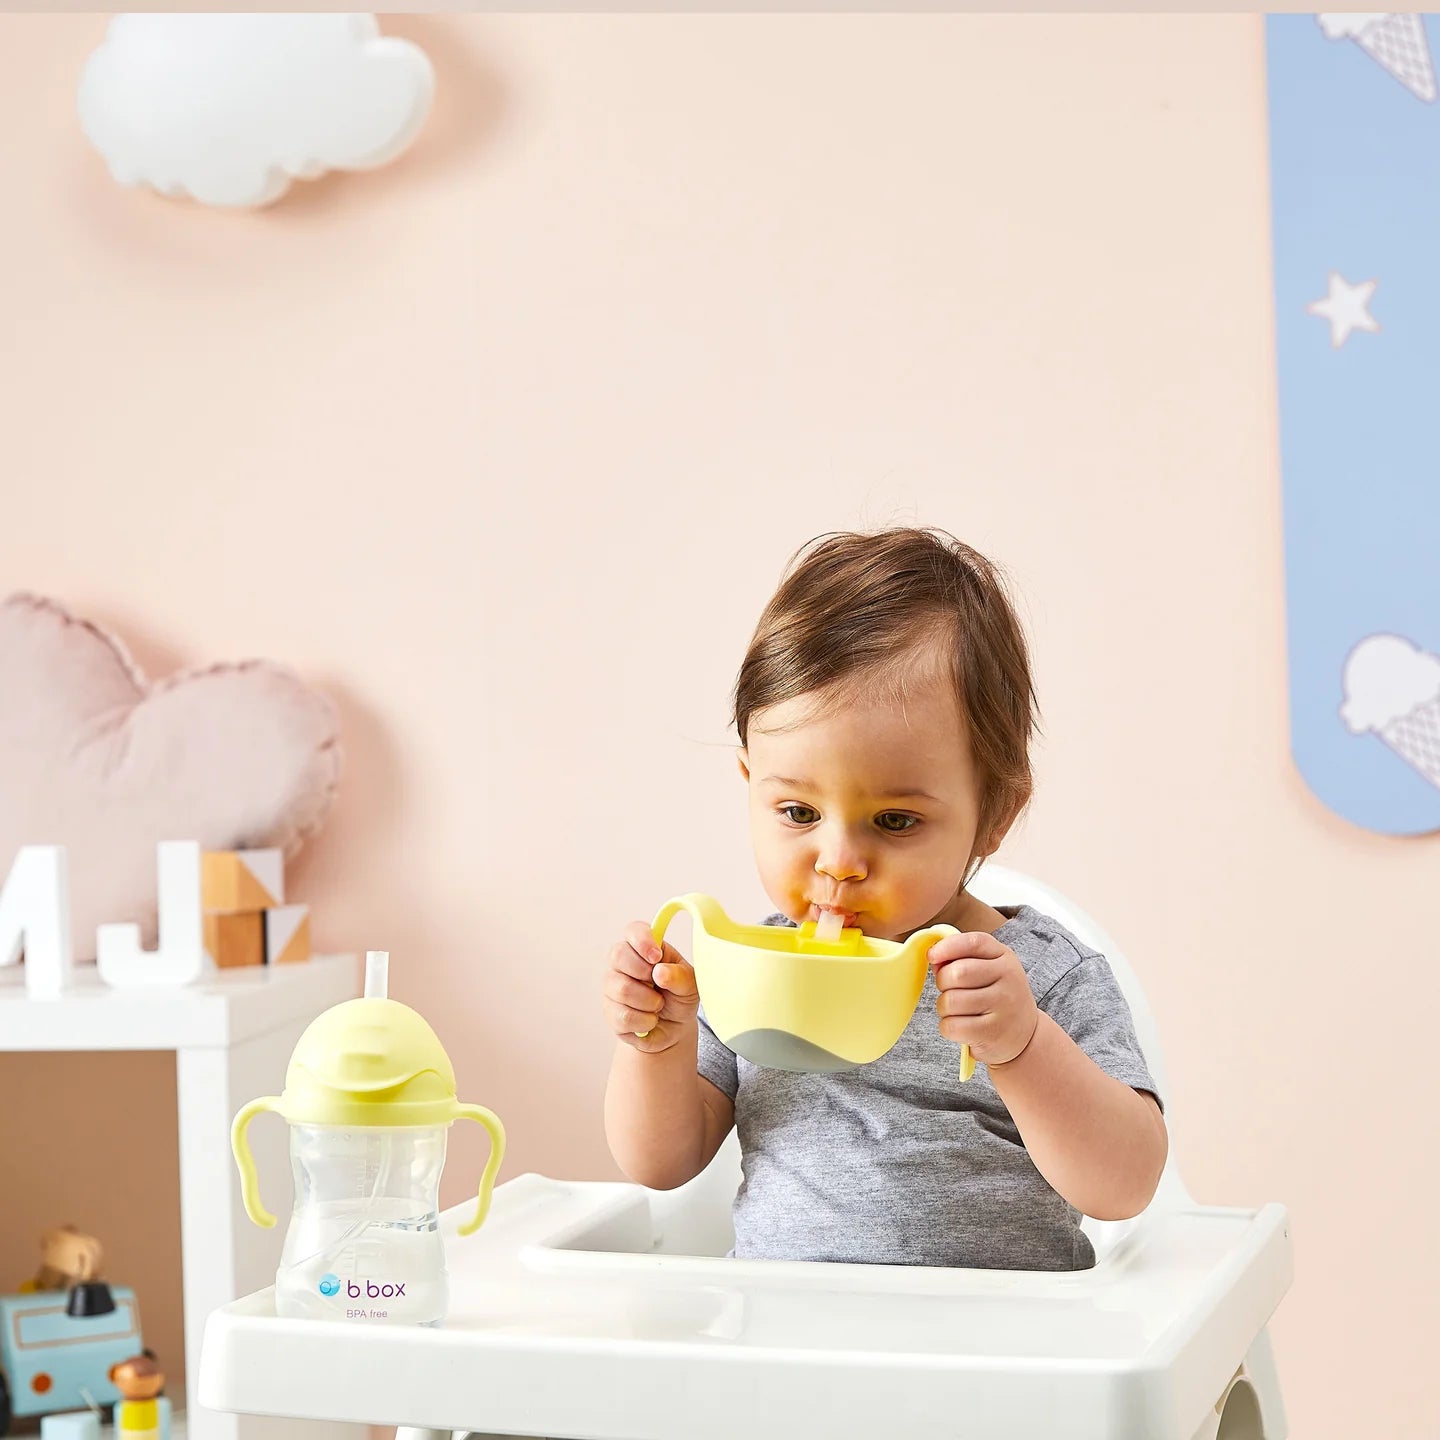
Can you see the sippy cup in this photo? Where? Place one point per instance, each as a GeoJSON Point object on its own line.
{"type": "Point", "coordinates": [369, 1095]}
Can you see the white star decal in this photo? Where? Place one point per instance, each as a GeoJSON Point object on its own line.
{"type": "Point", "coordinates": [1346, 307]}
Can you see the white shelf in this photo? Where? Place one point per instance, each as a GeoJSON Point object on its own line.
{"type": "Point", "coordinates": [231, 1033]}
{"type": "Point", "coordinates": [222, 1009]}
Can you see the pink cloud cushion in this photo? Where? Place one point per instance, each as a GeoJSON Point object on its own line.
{"type": "Point", "coordinates": [95, 757]}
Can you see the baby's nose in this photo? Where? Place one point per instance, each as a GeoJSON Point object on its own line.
{"type": "Point", "coordinates": [840, 867]}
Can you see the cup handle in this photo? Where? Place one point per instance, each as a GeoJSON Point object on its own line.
{"type": "Point", "coordinates": [939, 932]}
{"type": "Point", "coordinates": [704, 910]}
{"type": "Point", "coordinates": [491, 1122]}
{"type": "Point", "coordinates": [245, 1161]}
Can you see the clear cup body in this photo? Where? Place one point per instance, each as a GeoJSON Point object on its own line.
{"type": "Point", "coordinates": [364, 1241]}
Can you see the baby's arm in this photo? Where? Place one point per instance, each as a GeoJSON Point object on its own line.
{"type": "Point", "coordinates": [663, 1121]}
{"type": "Point", "coordinates": [1100, 1143]}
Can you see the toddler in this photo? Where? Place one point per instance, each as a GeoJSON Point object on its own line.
{"type": "Point", "coordinates": [884, 710]}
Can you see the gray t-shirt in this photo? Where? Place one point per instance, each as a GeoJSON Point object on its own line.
{"type": "Point", "coordinates": [900, 1163]}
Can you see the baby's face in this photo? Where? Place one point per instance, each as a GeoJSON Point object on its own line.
{"type": "Point", "coordinates": [871, 809]}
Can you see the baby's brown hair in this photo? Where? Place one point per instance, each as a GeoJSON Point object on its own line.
{"type": "Point", "coordinates": [856, 611]}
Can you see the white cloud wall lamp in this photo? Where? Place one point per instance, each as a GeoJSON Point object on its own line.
{"type": "Point", "coordinates": [230, 109]}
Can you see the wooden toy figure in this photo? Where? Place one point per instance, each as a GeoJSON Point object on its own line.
{"type": "Point", "coordinates": [139, 1381]}
{"type": "Point", "coordinates": [66, 1258]}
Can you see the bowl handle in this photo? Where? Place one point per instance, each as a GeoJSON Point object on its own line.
{"type": "Point", "coordinates": [704, 909]}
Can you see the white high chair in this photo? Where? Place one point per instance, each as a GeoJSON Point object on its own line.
{"type": "Point", "coordinates": [600, 1311]}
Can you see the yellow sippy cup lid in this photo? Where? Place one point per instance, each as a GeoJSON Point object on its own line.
{"type": "Point", "coordinates": [371, 1061]}
{"type": "Point", "coordinates": [365, 1062]}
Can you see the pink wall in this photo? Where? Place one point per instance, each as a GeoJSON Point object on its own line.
{"type": "Point", "coordinates": [506, 445]}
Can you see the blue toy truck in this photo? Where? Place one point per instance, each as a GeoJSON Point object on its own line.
{"type": "Point", "coordinates": [52, 1359]}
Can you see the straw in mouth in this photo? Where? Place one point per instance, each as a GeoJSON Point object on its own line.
{"type": "Point", "coordinates": [829, 926]}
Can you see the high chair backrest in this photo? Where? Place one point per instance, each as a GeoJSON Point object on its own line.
{"type": "Point", "coordinates": [997, 885]}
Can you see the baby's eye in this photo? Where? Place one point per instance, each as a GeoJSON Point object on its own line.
{"type": "Point", "coordinates": [786, 810]}
{"type": "Point", "coordinates": [905, 822]}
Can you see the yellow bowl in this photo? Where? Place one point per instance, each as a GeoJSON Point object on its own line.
{"type": "Point", "coordinates": [782, 998]}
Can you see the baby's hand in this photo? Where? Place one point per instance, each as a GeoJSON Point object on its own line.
{"type": "Point", "coordinates": [985, 1000]}
{"type": "Point", "coordinates": [650, 994]}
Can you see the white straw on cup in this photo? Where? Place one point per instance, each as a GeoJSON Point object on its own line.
{"type": "Point", "coordinates": [377, 974]}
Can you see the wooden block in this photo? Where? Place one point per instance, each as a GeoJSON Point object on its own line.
{"type": "Point", "coordinates": [287, 934]}
{"type": "Point", "coordinates": [233, 881]}
{"type": "Point", "coordinates": [239, 939]}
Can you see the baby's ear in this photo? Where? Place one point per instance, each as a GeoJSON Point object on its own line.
{"type": "Point", "coordinates": [1004, 821]}
{"type": "Point", "coordinates": [743, 762]}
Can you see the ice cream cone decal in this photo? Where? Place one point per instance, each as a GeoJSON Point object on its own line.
{"type": "Point", "coordinates": [1396, 42]}
{"type": "Point", "coordinates": [1416, 739]}
{"type": "Point", "coordinates": [1392, 690]}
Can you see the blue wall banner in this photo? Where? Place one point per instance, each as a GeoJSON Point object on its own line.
{"type": "Point", "coordinates": [1355, 178]}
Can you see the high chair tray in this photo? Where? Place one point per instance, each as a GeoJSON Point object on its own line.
{"type": "Point", "coordinates": [563, 1323]}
